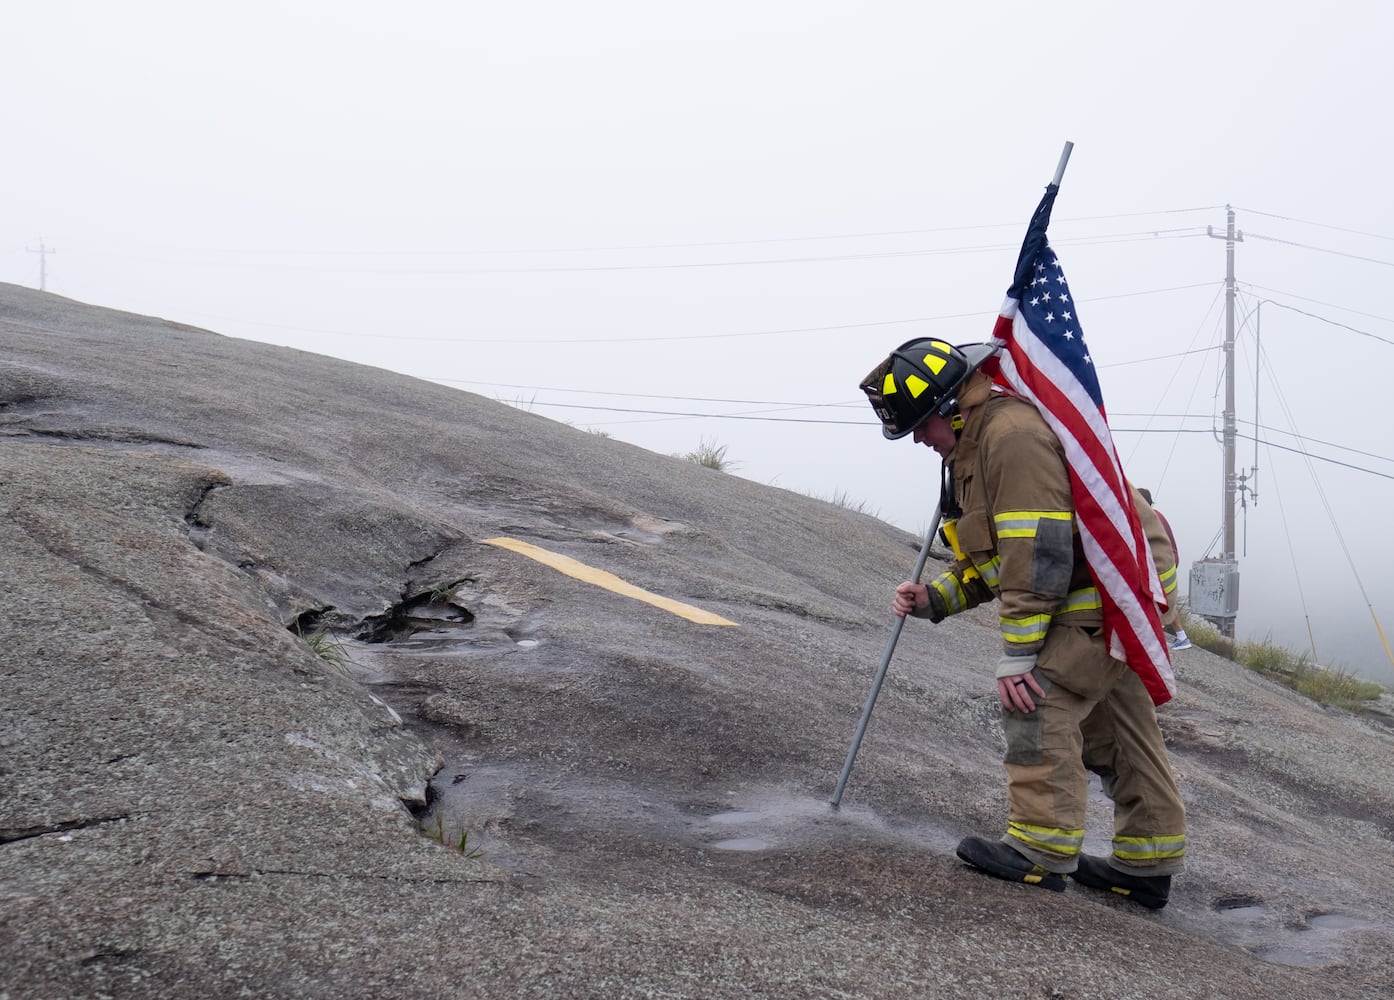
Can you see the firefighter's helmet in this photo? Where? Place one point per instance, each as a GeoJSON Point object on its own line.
{"type": "Point", "coordinates": [920, 378]}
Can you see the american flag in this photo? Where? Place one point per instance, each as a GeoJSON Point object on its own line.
{"type": "Point", "coordinates": [1046, 361]}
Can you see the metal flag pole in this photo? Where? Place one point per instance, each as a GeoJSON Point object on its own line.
{"type": "Point", "coordinates": [1064, 159]}
{"type": "Point", "coordinates": [919, 568]}
{"type": "Point", "coordinates": [885, 662]}
{"type": "Point", "coordinates": [1054, 183]}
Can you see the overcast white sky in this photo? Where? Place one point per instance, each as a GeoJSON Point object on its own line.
{"type": "Point", "coordinates": [740, 207]}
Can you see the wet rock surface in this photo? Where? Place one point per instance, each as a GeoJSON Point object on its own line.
{"type": "Point", "coordinates": [279, 722]}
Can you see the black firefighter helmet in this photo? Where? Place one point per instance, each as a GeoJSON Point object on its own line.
{"type": "Point", "coordinates": [920, 378]}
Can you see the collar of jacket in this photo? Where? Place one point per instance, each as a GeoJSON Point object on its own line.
{"type": "Point", "coordinates": [977, 392]}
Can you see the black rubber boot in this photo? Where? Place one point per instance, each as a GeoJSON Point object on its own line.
{"type": "Point", "coordinates": [1001, 861]}
{"type": "Point", "coordinates": [1151, 892]}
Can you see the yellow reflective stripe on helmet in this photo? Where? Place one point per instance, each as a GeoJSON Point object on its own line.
{"type": "Point", "coordinates": [1149, 848]}
{"type": "Point", "coordinates": [988, 570]}
{"type": "Point", "coordinates": [1084, 599]}
{"type": "Point", "coordinates": [1032, 628]}
{"type": "Point", "coordinates": [1022, 523]}
{"type": "Point", "coordinates": [946, 585]}
{"type": "Point", "coordinates": [916, 385]}
{"type": "Point", "coordinates": [936, 362]}
{"type": "Point", "coordinates": [1169, 581]}
{"type": "Point", "coordinates": [888, 385]}
{"type": "Point", "coordinates": [1047, 838]}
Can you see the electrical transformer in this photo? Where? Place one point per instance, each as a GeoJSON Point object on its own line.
{"type": "Point", "coordinates": [1214, 589]}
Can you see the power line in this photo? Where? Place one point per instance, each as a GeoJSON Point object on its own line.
{"type": "Point", "coordinates": [1320, 302]}
{"type": "Point", "coordinates": [1332, 322]}
{"type": "Point", "coordinates": [1159, 357]}
{"type": "Point", "coordinates": [734, 402]}
{"type": "Point", "coordinates": [975, 314]}
{"type": "Point", "coordinates": [1324, 444]}
{"type": "Point", "coordinates": [1109, 238]}
{"type": "Point", "coordinates": [678, 414]}
{"type": "Point", "coordinates": [776, 405]}
{"type": "Point", "coordinates": [505, 251]}
{"type": "Point", "coordinates": [1322, 225]}
{"type": "Point", "coordinates": [635, 395]}
{"type": "Point", "coordinates": [711, 416]}
{"type": "Point", "coordinates": [1308, 246]}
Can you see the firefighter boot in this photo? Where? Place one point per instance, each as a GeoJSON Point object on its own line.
{"type": "Point", "coordinates": [1097, 873]}
{"type": "Point", "coordinates": [1001, 861]}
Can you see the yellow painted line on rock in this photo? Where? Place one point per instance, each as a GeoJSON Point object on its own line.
{"type": "Point", "coordinates": [589, 574]}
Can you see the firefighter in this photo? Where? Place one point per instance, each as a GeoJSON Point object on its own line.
{"type": "Point", "coordinates": [1171, 621]}
{"type": "Point", "coordinates": [1067, 706]}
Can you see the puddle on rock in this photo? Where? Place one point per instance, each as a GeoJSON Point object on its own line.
{"type": "Point", "coordinates": [739, 844]}
{"type": "Point", "coordinates": [1291, 956]}
{"type": "Point", "coordinates": [1336, 922]}
{"type": "Point", "coordinates": [729, 818]}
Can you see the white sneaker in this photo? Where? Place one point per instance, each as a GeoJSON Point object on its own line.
{"type": "Point", "coordinates": [1180, 641]}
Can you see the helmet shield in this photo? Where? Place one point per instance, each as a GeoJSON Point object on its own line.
{"type": "Point", "coordinates": [917, 380]}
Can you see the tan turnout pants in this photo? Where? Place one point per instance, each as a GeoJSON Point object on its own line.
{"type": "Point", "coordinates": [1096, 715]}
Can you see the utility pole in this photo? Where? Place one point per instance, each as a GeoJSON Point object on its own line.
{"type": "Point", "coordinates": [43, 253]}
{"type": "Point", "coordinates": [1215, 583]}
{"type": "Point", "coordinates": [1230, 428]}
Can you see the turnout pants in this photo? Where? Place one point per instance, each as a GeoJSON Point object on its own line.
{"type": "Point", "coordinates": [1096, 715]}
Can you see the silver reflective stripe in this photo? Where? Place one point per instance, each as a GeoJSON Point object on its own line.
{"type": "Point", "coordinates": [1084, 599]}
{"type": "Point", "coordinates": [1169, 581]}
{"type": "Point", "coordinates": [948, 588]}
{"type": "Point", "coordinates": [1029, 629]}
{"type": "Point", "coordinates": [1048, 838]}
{"type": "Point", "coordinates": [1149, 848]}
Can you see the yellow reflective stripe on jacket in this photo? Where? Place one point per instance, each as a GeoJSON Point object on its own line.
{"type": "Point", "coordinates": [1032, 628]}
{"type": "Point", "coordinates": [1048, 838]}
{"type": "Point", "coordinates": [1022, 523]}
{"type": "Point", "coordinates": [1149, 848]}
{"type": "Point", "coordinates": [1083, 599]}
{"type": "Point", "coordinates": [988, 571]}
{"type": "Point", "coordinates": [1169, 581]}
{"type": "Point", "coordinates": [948, 588]}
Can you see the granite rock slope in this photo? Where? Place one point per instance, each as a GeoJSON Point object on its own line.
{"type": "Point", "coordinates": [196, 803]}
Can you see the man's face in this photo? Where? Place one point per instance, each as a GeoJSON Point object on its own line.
{"type": "Point", "coordinates": [937, 433]}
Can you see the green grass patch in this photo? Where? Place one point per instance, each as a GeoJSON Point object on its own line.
{"type": "Point", "coordinates": [710, 454]}
{"type": "Point", "coordinates": [1207, 636]}
{"type": "Point", "coordinates": [843, 499]}
{"type": "Point", "coordinates": [455, 841]}
{"type": "Point", "coordinates": [442, 592]}
{"type": "Point", "coordinates": [1325, 685]}
{"type": "Point", "coordinates": [326, 646]}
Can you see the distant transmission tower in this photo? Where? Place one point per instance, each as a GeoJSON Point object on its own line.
{"type": "Point", "coordinates": [43, 253]}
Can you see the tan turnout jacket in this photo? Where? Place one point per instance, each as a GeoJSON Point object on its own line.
{"type": "Point", "coordinates": [1017, 530]}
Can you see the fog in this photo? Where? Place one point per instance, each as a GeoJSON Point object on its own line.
{"type": "Point", "coordinates": [678, 224]}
